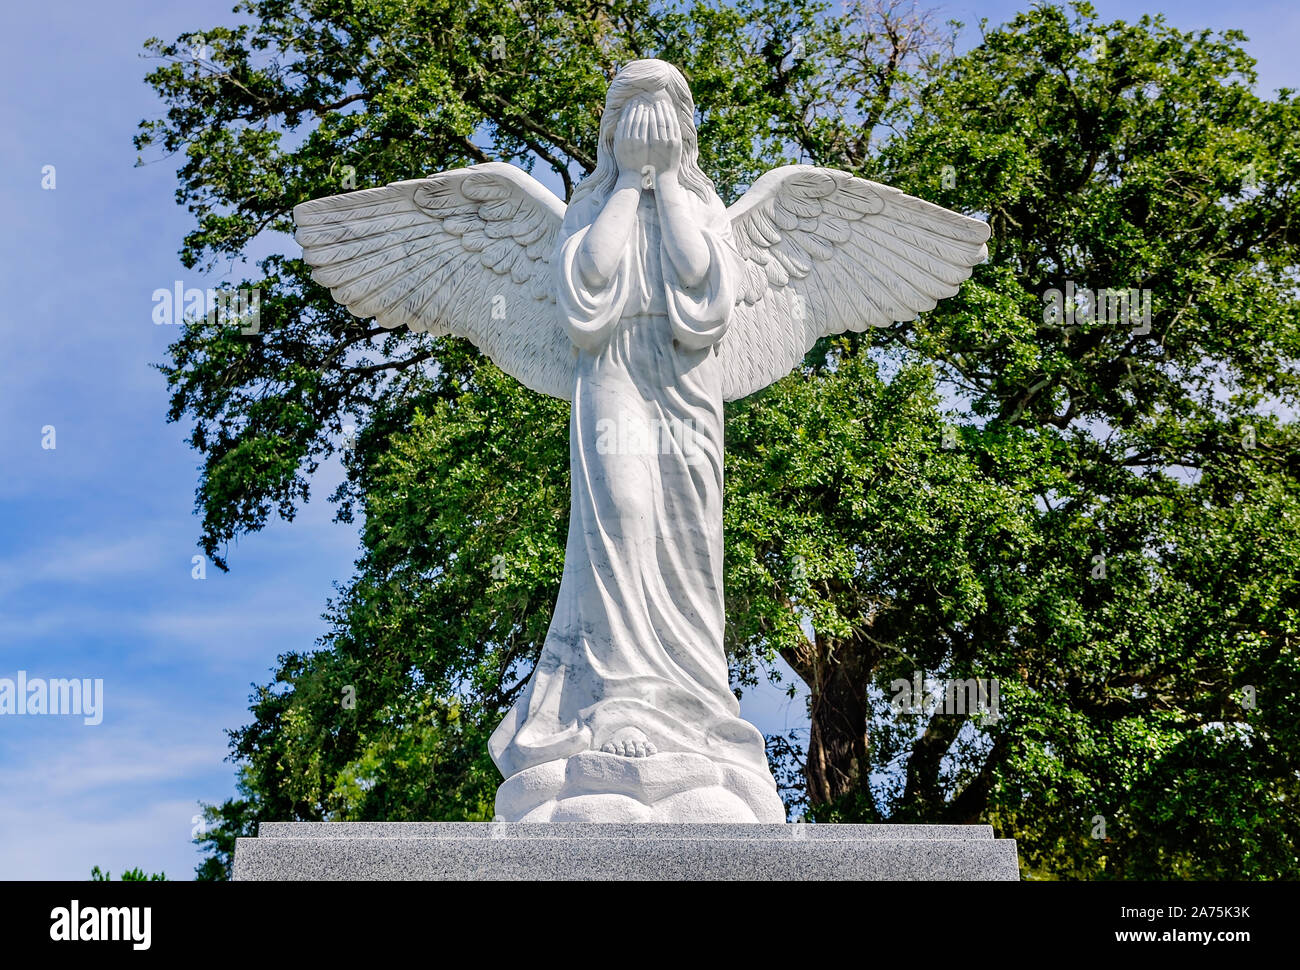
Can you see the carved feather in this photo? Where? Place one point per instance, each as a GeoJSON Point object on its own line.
{"type": "Point", "coordinates": [466, 252]}
{"type": "Point", "coordinates": [823, 252]}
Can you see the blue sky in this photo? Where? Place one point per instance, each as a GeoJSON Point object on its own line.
{"type": "Point", "coordinates": [97, 534]}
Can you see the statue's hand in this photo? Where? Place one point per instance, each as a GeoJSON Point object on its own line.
{"type": "Point", "coordinates": [631, 148]}
{"type": "Point", "coordinates": [664, 137]}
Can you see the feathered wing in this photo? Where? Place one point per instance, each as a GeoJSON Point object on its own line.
{"type": "Point", "coordinates": [822, 252]}
{"type": "Point", "coordinates": [466, 252]}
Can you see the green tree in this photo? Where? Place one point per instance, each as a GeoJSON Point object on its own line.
{"type": "Point", "coordinates": [130, 875]}
{"type": "Point", "coordinates": [1164, 607]}
{"type": "Point", "coordinates": [1103, 522]}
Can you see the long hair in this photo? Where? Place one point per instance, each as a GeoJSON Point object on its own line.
{"type": "Point", "coordinates": [636, 78]}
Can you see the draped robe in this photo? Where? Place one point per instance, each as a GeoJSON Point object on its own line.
{"type": "Point", "coordinates": [636, 637]}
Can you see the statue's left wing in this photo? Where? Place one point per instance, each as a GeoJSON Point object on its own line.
{"type": "Point", "coordinates": [465, 252]}
{"type": "Point", "coordinates": [823, 252]}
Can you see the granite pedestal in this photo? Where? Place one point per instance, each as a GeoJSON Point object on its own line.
{"type": "Point", "coordinates": [610, 851]}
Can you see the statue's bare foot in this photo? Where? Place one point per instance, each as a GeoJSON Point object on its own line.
{"type": "Point", "coordinates": [630, 743]}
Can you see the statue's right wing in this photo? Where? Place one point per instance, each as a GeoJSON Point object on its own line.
{"type": "Point", "coordinates": [467, 252]}
{"type": "Point", "coordinates": [821, 252]}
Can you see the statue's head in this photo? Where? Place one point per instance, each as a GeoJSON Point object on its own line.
{"type": "Point", "coordinates": [639, 79]}
{"type": "Point", "coordinates": [636, 81]}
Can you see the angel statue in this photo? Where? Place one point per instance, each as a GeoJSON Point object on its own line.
{"type": "Point", "coordinates": [646, 303]}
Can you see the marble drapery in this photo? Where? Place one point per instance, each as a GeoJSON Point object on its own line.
{"type": "Point", "coordinates": [636, 637]}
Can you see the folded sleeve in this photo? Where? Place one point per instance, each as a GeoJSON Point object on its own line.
{"type": "Point", "coordinates": [588, 315]}
{"type": "Point", "coordinates": [699, 314]}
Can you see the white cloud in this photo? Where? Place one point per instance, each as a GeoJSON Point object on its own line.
{"type": "Point", "coordinates": [83, 559]}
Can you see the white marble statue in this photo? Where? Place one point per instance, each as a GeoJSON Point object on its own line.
{"type": "Point", "coordinates": [647, 304]}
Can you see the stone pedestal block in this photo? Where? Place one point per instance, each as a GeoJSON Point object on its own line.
{"type": "Point", "coordinates": [613, 851]}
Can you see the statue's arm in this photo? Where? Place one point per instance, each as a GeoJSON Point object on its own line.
{"type": "Point", "coordinates": [602, 249]}
{"type": "Point", "coordinates": [682, 238]}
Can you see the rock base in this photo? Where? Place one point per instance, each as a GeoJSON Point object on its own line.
{"type": "Point", "coordinates": [675, 787]}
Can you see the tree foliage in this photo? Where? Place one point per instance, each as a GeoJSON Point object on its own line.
{"type": "Point", "coordinates": [130, 875]}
